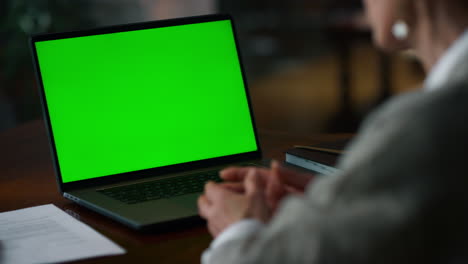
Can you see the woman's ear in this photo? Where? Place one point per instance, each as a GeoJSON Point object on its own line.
{"type": "Point", "coordinates": [402, 25]}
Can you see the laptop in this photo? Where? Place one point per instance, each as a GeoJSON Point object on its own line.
{"type": "Point", "coordinates": [140, 116]}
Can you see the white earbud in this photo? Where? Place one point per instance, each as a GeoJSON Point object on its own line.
{"type": "Point", "coordinates": [400, 30]}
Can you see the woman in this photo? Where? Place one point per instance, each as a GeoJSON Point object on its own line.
{"type": "Point", "coordinates": [401, 194]}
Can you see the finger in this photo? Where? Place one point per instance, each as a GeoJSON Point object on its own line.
{"type": "Point", "coordinates": [275, 184]}
{"type": "Point", "coordinates": [237, 187]}
{"type": "Point", "coordinates": [293, 178]}
{"type": "Point", "coordinates": [275, 189]}
{"type": "Point", "coordinates": [233, 173]}
{"type": "Point", "coordinates": [204, 206]}
{"type": "Point", "coordinates": [239, 173]}
{"type": "Point", "coordinates": [254, 188]}
{"type": "Point", "coordinates": [214, 192]}
{"type": "Point", "coordinates": [253, 184]}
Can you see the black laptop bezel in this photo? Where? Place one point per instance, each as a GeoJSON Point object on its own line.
{"type": "Point", "coordinates": [141, 174]}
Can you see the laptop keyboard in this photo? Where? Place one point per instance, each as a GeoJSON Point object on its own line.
{"type": "Point", "coordinates": [160, 189]}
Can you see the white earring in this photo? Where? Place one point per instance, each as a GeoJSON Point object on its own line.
{"type": "Point", "coordinates": [400, 30]}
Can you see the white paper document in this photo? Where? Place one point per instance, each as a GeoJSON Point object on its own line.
{"type": "Point", "coordinates": [46, 234]}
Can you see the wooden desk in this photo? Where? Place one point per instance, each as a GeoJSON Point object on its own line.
{"type": "Point", "coordinates": [27, 179]}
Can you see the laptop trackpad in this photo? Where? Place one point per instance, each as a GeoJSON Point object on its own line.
{"type": "Point", "coordinates": [166, 209]}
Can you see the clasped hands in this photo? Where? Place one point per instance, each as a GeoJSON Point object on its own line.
{"type": "Point", "coordinates": [248, 192]}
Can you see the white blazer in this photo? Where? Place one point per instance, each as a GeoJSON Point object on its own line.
{"type": "Point", "coordinates": [401, 196]}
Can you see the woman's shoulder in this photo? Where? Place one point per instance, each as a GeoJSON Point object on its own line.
{"type": "Point", "coordinates": [421, 116]}
{"type": "Point", "coordinates": [422, 104]}
{"type": "Point", "coordinates": [448, 100]}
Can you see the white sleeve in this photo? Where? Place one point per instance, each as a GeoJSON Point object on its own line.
{"type": "Point", "coordinates": [237, 231]}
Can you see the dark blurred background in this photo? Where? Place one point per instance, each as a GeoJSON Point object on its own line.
{"type": "Point", "coordinates": [310, 64]}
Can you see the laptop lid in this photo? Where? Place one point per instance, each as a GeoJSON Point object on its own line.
{"type": "Point", "coordinates": [132, 101]}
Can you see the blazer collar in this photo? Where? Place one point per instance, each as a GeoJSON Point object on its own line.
{"type": "Point", "coordinates": [452, 67]}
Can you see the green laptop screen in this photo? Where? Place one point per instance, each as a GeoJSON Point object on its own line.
{"type": "Point", "coordinates": [134, 100]}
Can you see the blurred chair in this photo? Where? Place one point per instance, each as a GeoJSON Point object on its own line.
{"type": "Point", "coordinates": [164, 9]}
{"type": "Point", "coordinates": [20, 19]}
{"type": "Point", "coordinates": [273, 32]}
{"type": "Point", "coordinates": [345, 25]}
